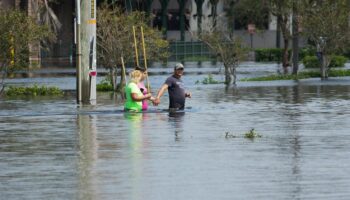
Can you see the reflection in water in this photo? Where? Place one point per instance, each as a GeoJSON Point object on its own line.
{"type": "Point", "coordinates": [88, 156]}
{"type": "Point", "coordinates": [176, 120]}
{"type": "Point", "coordinates": [136, 151]}
{"type": "Point", "coordinates": [303, 153]}
{"type": "Point", "coordinates": [296, 148]}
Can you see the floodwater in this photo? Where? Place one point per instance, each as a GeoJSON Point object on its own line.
{"type": "Point", "coordinates": [54, 149]}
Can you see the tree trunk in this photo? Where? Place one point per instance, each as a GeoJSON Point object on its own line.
{"type": "Point", "coordinates": [164, 4]}
{"type": "Point", "coordinates": [182, 18]}
{"type": "Point", "coordinates": [295, 27]}
{"type": "Point", "coordinates": [285, 62]}
{"type": "Point", "coordinates": [234, 75]}
{"type": "Point", "coordinates": [286, 35]}
{"type": "Point", "coordinates": [199, 4]}
{"type": "Point", "coordinates": [34, 48]}
{"type": "Point", "coordinates": [324, 66]}
{"type": "Point", "coordinates": [228, 75]}
{"type": "Point", "coordinates": [113, 79]}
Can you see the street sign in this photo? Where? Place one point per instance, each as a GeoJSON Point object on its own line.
{"type": "Point", "coordinates": [251, 28]}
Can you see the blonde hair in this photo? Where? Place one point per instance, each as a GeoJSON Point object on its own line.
{"type": "Point", "coordinates": [136, 76]}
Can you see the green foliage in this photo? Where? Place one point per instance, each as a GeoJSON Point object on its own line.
{"type": "Point", "coordinates": [115, 37]}
{"type": "Point", "coordinates": [339, 73]}
{"type": "Point", "coordinates": [36, 90]}
{"type": "Point", "coordinates": [307, 51]}
{"type": "Point", "coordinates": [251, 134]}
{"type": "Point", "coordinates": [228, 48]}
{"type": "Point", "coordinates": [276, 54]}
{"type": "Point", "coordinates": [199, 58]}
{"type": "Point", "coordinates": [251, 12]}
{"type": "Point", "coordinates": [313, 62]}
{"type": "Point", "coordinates": [337, 61]}
{"type": "Point", "coordinates": [268, 54]}
{"type": "Point", "coordinates": [208, 80]}
{"type": "Point", "coordinates": [105, 86]}
{"type": "Point", "coordinates": [326, 25]}
{"type": "Point", "coordinates": [301, 75]}
{"type": "Point", "coordinates": [17, 31]}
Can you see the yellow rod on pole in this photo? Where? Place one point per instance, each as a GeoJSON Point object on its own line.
{"type": "Point", "coordinates": [124, 77]}
{"type": "Point", "coordinates": [145, 57]}
{"type": "Point", "coordinates": [12, 51]}
{"type": "Point", "coordinates": [135, 44]}
{"type": "Point", "coordinates": [123, 71]}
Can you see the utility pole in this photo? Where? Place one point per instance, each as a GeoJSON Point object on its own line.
{"type": "Point", "coordinates": [86, 51]}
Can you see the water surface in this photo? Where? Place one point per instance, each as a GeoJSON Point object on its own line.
{"type": "Point", "coordinates": [55, 149]}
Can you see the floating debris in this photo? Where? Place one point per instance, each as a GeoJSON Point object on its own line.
{"type": "Point", "coordinates": [252, 134]}
{"type": "Point", "coordinates": [228, 135]}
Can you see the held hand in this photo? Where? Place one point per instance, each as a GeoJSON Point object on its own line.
{"type": "Point", "coordinates": [152, 99]}
{"type": "Point", "coordinates": [156, 102]}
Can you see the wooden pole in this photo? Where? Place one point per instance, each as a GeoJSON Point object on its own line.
{"type": "Point", "coordinates": [145, 58]}
{"type": "Point", "coordinates": [78, 52]}
{"type": "Point", "coordinates": [87, 43]}
{"type": "Point", "coordinates": [135, 45]}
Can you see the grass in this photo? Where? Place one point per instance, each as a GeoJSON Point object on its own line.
{"type": "Point", "coordinates": [35, 90]}
{"type": "Point", "coordinates": [301, 75]}
{"type": "Point", "coordinates": [208, 80]}
{"type": "Point", "coordinates": [104, 87]}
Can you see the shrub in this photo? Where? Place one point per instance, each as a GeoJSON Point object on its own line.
{"type": "Point", "coordinates": [275, 54]}
{"type": "Point", "coordinates": [267, 55]}
{"type": "Point", "coordinates": [35, 90]}
{"type": "Point", "coordinates": [208, 80]}
{"type": "Point", "coordinates": [104, 87]}
{"type": "Point", "coordinates": [338, 61]}
{"type": "Point", "coordinates": [307, 51]}
{"type": "Point", "coordinates": [311, 62]}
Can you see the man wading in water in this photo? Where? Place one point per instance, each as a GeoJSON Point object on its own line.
{"type": "Point", "coordinates": [176, 90]}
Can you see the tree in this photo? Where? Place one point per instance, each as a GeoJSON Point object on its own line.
{"type": "Point", "coordinates": [199, 4]}
{"type": "Point", "coordinates": [257, 12]}
{"type": "Point", "coordinates": [115, 39]}
{"type": "Point", "coordinates": [282, 10]}
{"type": "Point", "coordinates": [17, 30]}
{"type": "Point", "coordinates": [41, 11]}
{"type": "Point", "coordinates": [326, 25]}
{"type": "Point", "coordinates": [251, 12]}
{"type": "Point", "coordinates": [227, 47]}
{"type": "Point", "coordinates": [214, 14]}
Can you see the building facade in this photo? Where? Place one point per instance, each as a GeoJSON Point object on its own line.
{"type": "Point", "coordinates": [180, 18]}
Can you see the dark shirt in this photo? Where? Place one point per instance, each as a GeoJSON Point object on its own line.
{"type": "Point", "coordinates": [176, 92]}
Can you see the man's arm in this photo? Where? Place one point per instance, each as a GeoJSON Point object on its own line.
{"type": "Point", "coordinates": [160, 93]}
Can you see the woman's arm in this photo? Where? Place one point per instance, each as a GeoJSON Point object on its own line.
{"type": "Point", "coordinates": [136, 97]}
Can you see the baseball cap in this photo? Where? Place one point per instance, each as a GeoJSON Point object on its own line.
{"type": "Point", "coordinates": [178, 66]}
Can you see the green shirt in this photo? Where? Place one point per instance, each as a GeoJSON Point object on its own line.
{"type": "Point", "coordinates": [130, 104]}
